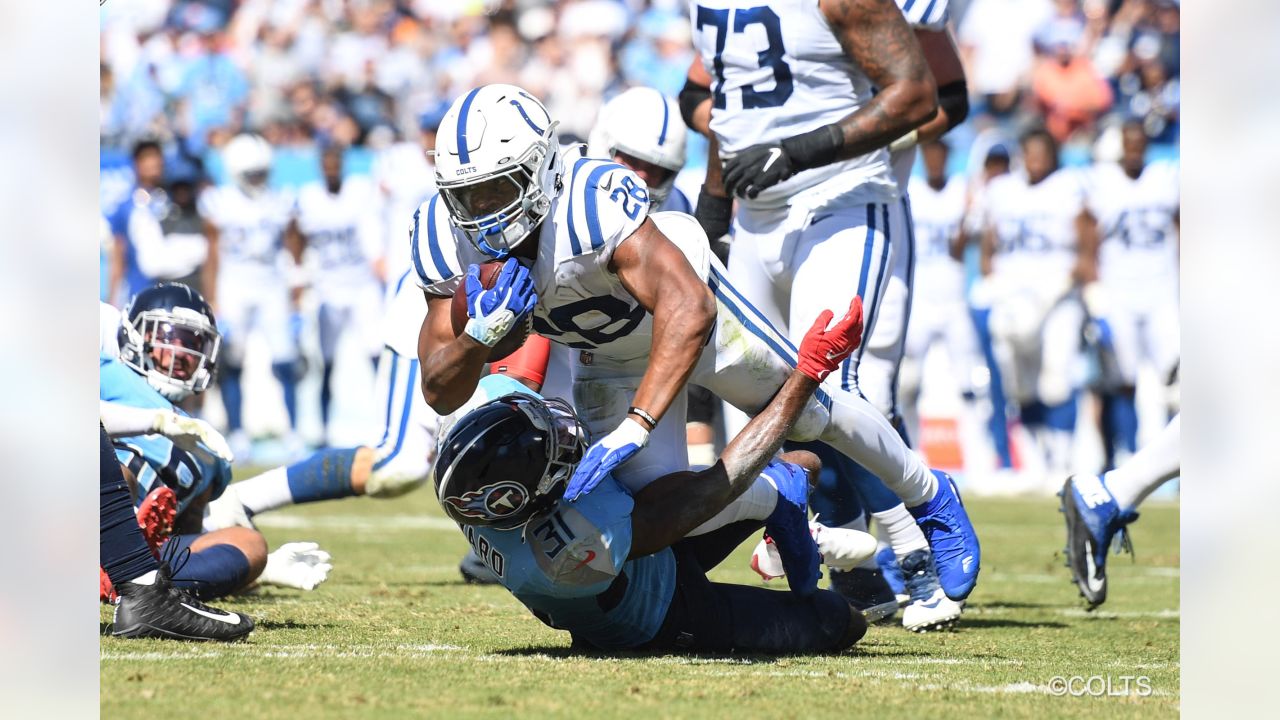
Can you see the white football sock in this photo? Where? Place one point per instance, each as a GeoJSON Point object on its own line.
{"type": "Point", "coordinates": [757, 503]}
{"type": "Point", "coordinates": [1148, 469]}
{"type": "Point", "coordinates": [901, 531]}
{"type": "Point", "coordinates": [264, 492]}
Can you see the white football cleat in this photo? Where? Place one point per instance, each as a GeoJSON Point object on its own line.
{"type": "Point", "coordinates": [841, 548]}
{"type": "Point", "coordinates": [938, 612]}
{"type": "Point", "coordinates": [301, 565]}
{"type": "Point", "coordinates": [227, 511]}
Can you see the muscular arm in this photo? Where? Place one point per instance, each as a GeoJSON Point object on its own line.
{"type": "Point", "coordinates": [670, 507]}
{"type": "Point", "coordinates": [209, 272]}
{"type": "Point", "coordinates": [876, 36]}
{"type": "Point", "coordinates": [660, 278]}
{"type": "Point", "coordinates": [451, 365]}
{"type": "Point", "coordinates": [948, 74]}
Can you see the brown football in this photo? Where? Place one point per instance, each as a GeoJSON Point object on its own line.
{"type": "Point", "coordinates": [458, 310]}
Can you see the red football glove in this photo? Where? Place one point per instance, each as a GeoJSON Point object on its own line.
{"type": "Point", "coordinates": [823, 348]}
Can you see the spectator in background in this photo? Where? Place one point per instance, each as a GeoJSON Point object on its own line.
{"type": "Point", "coordinates": [1068, 91]}
{"type": "Point", "coordinates": [168, 236]}
{"type": "Point", "coordinates": [126, 277]}
{"type": "Point", "coordinates": [995, 44]}
{"type": "Point", "coordinates": [214, 92]}
{"type": "Point", "coordinates": [659, 55]}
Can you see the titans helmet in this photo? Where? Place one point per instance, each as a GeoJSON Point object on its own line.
{"type": "Point", "coordinates": [169, 336]}
{"type": "Point", "coordinates": [508, 461]}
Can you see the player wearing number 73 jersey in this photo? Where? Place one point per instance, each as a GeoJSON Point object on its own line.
{"type": "Point", "coordinates": [641, 298]}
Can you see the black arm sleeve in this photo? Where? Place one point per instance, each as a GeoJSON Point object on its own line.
{"type": "Point", "coordinates": [953, 98]}
{"type": "Point", "coordinates": [691, 96]}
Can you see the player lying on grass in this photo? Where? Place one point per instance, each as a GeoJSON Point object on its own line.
{"type": "Point", "coordinates": [1099, 508]}
{"type": "Point", "coordinates": [618, 571]}
{"type": "Point", "coordinates": [169, 345]}
{"type": "Point", "coordinates": [642, 300]}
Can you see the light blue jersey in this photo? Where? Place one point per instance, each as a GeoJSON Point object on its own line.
{"type": "Point", "coordinates": [154, 459]}
{"type": "Point", "coordinates": [570, 568]}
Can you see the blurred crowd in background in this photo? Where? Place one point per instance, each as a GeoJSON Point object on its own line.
{"type": "Point", "coordinates": [180, 78]}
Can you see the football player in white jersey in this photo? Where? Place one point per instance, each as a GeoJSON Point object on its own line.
{"type": "Point", "coordinates": [340, 220]}
{"type": "Point", "coordinates": [248, 280]}
{"type": "Point", "coordinates": [787, 259]}
{"type": "Point", "coordinates": [1032, 262]}
{"type": "Point", "coordinates": [939, 309]}
{"type": "Point", "coordinates": [641, 298]}
{"type": "Point", "coordinates": [1136, 206]}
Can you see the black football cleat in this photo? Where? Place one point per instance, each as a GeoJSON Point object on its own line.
{"type": "Point", "coordinates": [867, 591]}
{"type": "Point", "coordinates": [161, 610]}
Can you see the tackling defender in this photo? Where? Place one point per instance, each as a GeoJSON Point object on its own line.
{"type": "Point", "coordinates": [615, 570]}
{"type": "Point", "coordinates": [640, 297]}
{"type": "Point", "coordinates": [169, 348]}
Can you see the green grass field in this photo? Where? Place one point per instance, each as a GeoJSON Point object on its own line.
{"type": "Point", "coordinates": [395, 633]}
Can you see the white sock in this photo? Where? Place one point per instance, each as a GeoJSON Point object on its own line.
{"type": "Point", "coordinates": [264, 492]}
{"type": "Point", "coordinates": [1148, 469]}
{"type": "Point", "coordinates": [147, 578]}
{"type": "Point", "coordinates": [755, 504]}
{"type": "Point", "coordinates": [860, 524]}
{"type": "Point", "coordinates": [901, 530]}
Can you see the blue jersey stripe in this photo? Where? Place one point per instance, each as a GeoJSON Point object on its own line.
{"type": "Point", "coordinates": [404, 276]}
{"type": "Point", "coordinates": [433, 242]}
{"type": "Point", "coordinates": [464, 155]}
{"type": "Point", "coordinates": [417, 259]}
{"type": "Point", "coordinates": [662, 134]}
{"type": "Point", "coordinates": [715, 282]}
{"type": "Point", "coordinates": [410, 387]}
{"type": "Point", "coordinates": [906, 318]}
{"type": "Point", "coordinates": [574, 242]}
{"type": "Point", "coordinates": [874, 309]}
{"type": "Point", "coordinates": [593, 219]}
{"type": "Point", "coordinates": [924, 19]}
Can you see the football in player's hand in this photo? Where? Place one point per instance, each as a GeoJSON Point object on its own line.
{"type": "Point", "coordinates": [458, 310]}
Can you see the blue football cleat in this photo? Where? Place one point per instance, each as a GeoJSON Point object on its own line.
{"type": "Point", "coordinates": [788, 525]}
{"type": "Point", "coordinates": [951, 537]}
{"type": "Point", "coordinates": [1094, 522]}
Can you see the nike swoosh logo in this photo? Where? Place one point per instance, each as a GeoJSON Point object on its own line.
{"type": "Point", "coordinates": [774, 154]}
{"type": "Point", "coordinates": [591, 555]}
{"type": "Point", "coordinates": [1091, 570]}
{"type": "Point", "coordinates": [226, 618]}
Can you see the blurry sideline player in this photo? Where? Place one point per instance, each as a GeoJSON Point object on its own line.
{"type": "Point", "coordinates": [339, 219]}
{"type": "Point", "coordinates": [396, 460]}
{"type": "Point", "coordinates": [250, 284]}
{"type": "Point", "coordinates": [1098, 509]}
{"type": "Point", "coordinates": [641, 129]}
{"type": "Point", "coordinates": [615, 569]}
{"type": "Point", "coordinates": [939, 310]}
{"type": "Point", "coordinates": [848, 82]}
{"type": "Point", "coordinates": [1032, 262]}
{"type": "Point", "coordinates": [169, 348]}
{"type": "Point", "coordinates": [639, 296]}
{"type": "Point", "coordinates": [1136, 206]}
{"type": "Point", "coordinates": [127, 277]}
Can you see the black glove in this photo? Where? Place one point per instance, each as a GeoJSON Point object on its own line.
{"type": "Point", "coordinates": [760, 167]}
{"type": "Point", "coordinates": [714, 214]}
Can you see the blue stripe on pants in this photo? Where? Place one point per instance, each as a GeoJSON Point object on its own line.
{"type": "Point", "coordinates": [410, 387]}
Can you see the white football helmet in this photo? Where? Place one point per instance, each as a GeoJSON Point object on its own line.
{"type": "Point", "coordinates": [496, 166]}
{"type": "Point", "coordinates": [645, 124]}
{"type": "Point", "coordinates": [247, 159]}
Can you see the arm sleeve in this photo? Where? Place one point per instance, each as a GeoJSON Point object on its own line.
{"type": "Point", "coordinates": [122, 420]}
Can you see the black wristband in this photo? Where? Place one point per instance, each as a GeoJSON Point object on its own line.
{"type": "Point", "coordinates": [646, 417]}
{"type": "Point", "coordinates": [714, 213]}
{"type": "Point", "coordinates": [691, 96]}
{"type": "Point", "coordinates": [953, 98]}
{"type": "Point", "coordinates": [814, 148]}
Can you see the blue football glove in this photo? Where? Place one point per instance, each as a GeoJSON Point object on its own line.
{"type": "Point", "coordinates": [496, 310]}
{"type": "Point", "coordinates": [606, 454]}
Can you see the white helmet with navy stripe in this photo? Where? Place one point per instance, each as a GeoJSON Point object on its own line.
{"type": "Point", "coordinates": [645, 124]}
{"type": "Point", "coordinates": [495, 166]}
